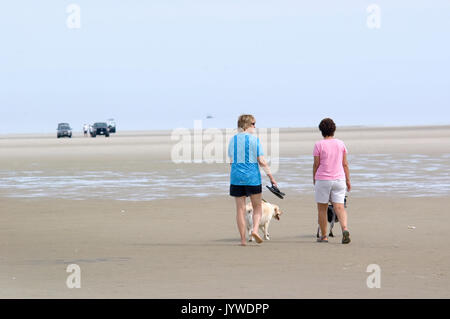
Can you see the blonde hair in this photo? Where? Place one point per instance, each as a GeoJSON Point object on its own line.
{"type": "Point", "coordinates": [245, 121]}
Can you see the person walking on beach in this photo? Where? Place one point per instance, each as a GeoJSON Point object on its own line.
{"type": "Point", "coordinates": [246, 155]}
{"type": "Point", "coordinates": [85, 129]}
{"type": "Point", "coordinates": [331, 178]}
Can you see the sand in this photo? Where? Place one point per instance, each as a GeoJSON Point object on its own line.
{"type": "Point", "coordinates": [187, 247]}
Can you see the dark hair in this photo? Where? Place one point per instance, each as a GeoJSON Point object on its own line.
{"type": "Point", "coordinates": [327, 127]}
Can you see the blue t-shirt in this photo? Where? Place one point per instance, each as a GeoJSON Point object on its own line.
{"type": "Point", "coordinates": [244, 150]}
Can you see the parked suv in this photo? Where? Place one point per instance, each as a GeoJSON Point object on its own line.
{"type": "Point", "coordinates": [111, 125]}
{"type": "Point", "coordinates": [100, 128]}
{"type": "Point", "coordinates": [63, 129]}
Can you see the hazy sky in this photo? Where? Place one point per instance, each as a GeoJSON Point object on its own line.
{"type": "Point", "coordinates": [162, 64]}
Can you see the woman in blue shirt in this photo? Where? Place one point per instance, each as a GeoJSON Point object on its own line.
{"type": "Point", "coordinates": [246, 155]}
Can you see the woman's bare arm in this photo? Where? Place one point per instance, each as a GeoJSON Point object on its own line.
{"type": "Point", "coordinates": [347, 172]}
{"type": "Point", "coordinates": [265, 167]}
{"type": "Point", "coordinates": [315, 167]}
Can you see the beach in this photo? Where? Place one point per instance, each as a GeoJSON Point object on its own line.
{"type": "Point", "coordinates": [141, 226]}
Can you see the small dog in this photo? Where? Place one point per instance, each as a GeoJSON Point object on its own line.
{"type": "Point", "coordinates": [269, 211]}
{"type": "Point", "coordinates": [332, 218]}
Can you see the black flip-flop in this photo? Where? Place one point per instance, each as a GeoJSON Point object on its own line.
{"type": "Point", "coordinates": [322, 239]}
{"type": "Point", "coordinates": [276, 191]}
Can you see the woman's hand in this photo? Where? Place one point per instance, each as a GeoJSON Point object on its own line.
{"type": "Point", "coordinates": [349, 186]}
{"type": "Point", "coordinates": [273, 182]}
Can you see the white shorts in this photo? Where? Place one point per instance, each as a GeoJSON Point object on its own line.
{"type": "Point", "coordinates": [330, 190]}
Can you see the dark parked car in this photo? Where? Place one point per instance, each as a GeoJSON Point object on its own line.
{"type": "Point", "coordinates": [63, 129]}
{"type": "Point", "coordinates": [100, 128]}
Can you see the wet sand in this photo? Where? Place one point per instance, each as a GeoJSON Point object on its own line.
{"type": "Point", "coordinates": [187, 247]}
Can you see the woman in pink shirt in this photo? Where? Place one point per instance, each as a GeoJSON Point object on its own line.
{"type": "Point", "coordinates": [331, 178]}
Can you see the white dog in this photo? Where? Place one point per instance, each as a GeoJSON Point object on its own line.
{"type": "Point", "coordinates": [269, 211]}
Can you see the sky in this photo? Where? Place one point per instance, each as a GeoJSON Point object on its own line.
{"type": "Point", "coordinates": [161, 64]}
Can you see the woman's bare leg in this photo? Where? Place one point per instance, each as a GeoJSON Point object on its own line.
{"type": "Point", "coordinates": [341, 215]}
{"type": "Point", "coordinates": [323, 221]}
{"type": "Point", "coordinates": [240, 217]}
{"type": "Point", "coordinates": [257, 210]}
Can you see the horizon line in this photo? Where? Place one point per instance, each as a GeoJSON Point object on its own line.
{"type": "Point", "coordinates": [421, 126]}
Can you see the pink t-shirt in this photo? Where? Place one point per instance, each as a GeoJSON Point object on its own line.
{"type": "Point", "coordinates": [331, 152]}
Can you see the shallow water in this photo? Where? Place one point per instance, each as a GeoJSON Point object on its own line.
{"type": "Point", "coordinates": [406, 175]}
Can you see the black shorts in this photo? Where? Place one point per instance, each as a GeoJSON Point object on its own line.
{"type": "Point", "coordinates": [244, 190]}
